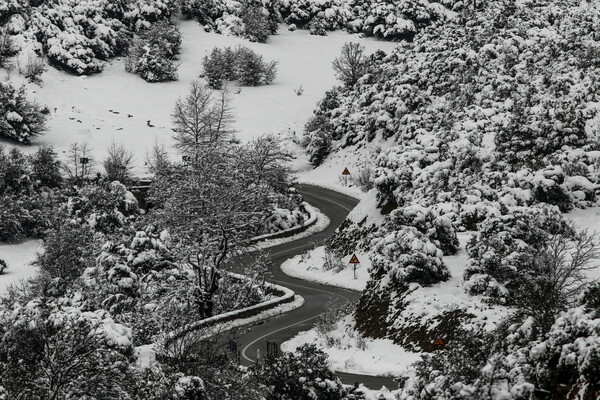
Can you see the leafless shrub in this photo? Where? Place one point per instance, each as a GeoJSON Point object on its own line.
{"type": "Point", "coordinates": [363, 179]}
{"type": "Point", "coordinates": [118, 163]}
{"type": "Point", "coordinates": [33, 69]}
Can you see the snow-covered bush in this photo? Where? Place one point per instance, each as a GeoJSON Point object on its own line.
{"type": "Point", "coordinates": [318, 130]}
{"type": "Point", "coordinates": [53, 349]}
{"type": "Point", "coordinates": [317, 139]}
{"type": "Point", "coordinates": [152, 55]}
{"type": "Point", "coordinates": [256, 23]}
{"type": "Point", "coordinates": [105, 208]}
{"type": "Point", "coordinates": [21, 120]}
{"type": "Point", "coordinates": [68, 251]}
{"type": "Point", "coordinates": [143, 14]}
{"type": "Point", "coordinates": [3, 266]}
{"type": "Point", "coordinates": [407, 256]}
{"type": "Point", "coordinates": [504, 253]}
{"type": "Point", "coordinates": [238, 64]}
{"type": "Point", "coordinates": [301, 375]}
{"type": "Point", "coordinates": [437, 228]}
{"type": "Point", "coordinates": [204, 11]}
{"type": "Point", "coordinates": [79, 35]}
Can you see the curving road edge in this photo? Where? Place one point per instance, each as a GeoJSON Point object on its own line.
{"type": "Point", "coordinates": [283, 327]}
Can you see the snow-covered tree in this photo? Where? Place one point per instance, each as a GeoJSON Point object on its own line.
{"type": "Point", "coordinates": [152, 55]}
{"type": "Point", "coordinates": [57, 351]}
{"type": "Point", "coordinates": [21, 119]}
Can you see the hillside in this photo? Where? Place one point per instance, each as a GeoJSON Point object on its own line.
{"type": "Point", "coordinates": [486, 125]}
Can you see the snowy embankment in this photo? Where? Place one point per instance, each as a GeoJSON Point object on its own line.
{"type": "Point", "coordinates": [121, 107]}
{"type": "Point", "coordinates": [356, 355]}
{"type": "Point", "coordinates": [313, 217]}
{"type": "Point", "coordinates": [18, 258]}
{"type": "Point", "coordinates": [286, 301]}
{"type": "Point", "coordinates": [310, 266]}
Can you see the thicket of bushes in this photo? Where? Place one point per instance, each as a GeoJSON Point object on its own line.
{"type": "Point", "coordinates": [240, 64]}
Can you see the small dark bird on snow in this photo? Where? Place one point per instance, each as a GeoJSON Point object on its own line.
{"type": "Point", "coordinates": [149, 124]}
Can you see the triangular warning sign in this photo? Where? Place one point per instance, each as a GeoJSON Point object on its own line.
{"type": "Point", "coordinates": [438, 342]}
{"type": "Point", "coordinates": [346, 172]}
{"type": "Point", "coordinates": [354, 259]}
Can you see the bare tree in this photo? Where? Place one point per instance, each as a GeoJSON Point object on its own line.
{"type": "Point", "coordinates": [118, 163]}
{"type": "Point", "coordinates": [559, 274]}
{"type": "Point", "coordinates": [266, 161]}
{"type": "Point", "coordinates": [158, 159]}
{"type": "Point", "coordinates": [201, 122]}
{"type": "Point", "coordinates": [351, 64]}
{"type": "Point", "coordinates": [79, 164]}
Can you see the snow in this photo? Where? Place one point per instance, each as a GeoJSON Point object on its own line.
{"type": "Point", "coordinates": [318, 221]}
{"type": "Point", "coordinates": [379, 357]}
{"type": "Point", "coordinates": [116, 106]}
{"type": "Point", "coordinates": [18, 258]}
{"type": "Point", "coordinates": [309, 266]}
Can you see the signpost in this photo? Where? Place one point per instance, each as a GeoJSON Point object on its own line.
{"type": "Point", "coordinates": [438, 341]}
{"type": "Point", "coordinates": [345, 174]}
{"type": "Point", "coordinates": [354, 261]}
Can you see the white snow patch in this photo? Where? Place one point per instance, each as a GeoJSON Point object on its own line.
{"type": "Point", "coordinates": [380, 357]}
{"type": "Point", "coordinates": [309, 266]}
{"type": "Point", "coordinates": [18, 257]}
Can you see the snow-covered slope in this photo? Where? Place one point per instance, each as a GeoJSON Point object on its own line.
{"type": "Point", "coordinates": [118, 106]}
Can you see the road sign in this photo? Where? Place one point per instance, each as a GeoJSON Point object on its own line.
{"type": "Point", "coordinates": [438, 341]}
{"type": "Point", "coordinates": [354, 261]}
{"type": "Point", "coordinates": [84, 160]}
{"type": "Point", "coordinates": [346, 172]}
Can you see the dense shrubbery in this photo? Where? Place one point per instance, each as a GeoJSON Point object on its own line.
{"type": "Point", "coordinates": [253, 19]}
{"type": "Point", "coordinates": [238, 64]}
{"type": "Point", "coordinates": [488, 121]}
{"type": "Point", "coordinates": [80, 36]}
{"type": "Point", "coordinates": [391, 20]}
{"type": "Point", "coordinates": [505, 252]}
{"type": "Point", "coordinates": [514, 363]}
{"type": "Point", "coordinates": [152, 55]}
{"type": "Point", "coordinates": [21, 120]}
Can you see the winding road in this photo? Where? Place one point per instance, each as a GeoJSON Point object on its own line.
{"type": "Point", "coordinates": [285, 326]}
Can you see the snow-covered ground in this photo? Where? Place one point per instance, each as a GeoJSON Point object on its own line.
{"type": "Point", "coordinates": [118, 106]}
{"type": "Point", "coordinates": [18, 257]}
{"type": "Point", "coordinates": [309, 266]}
{"type": "Point", "coordinates": [373, 357]}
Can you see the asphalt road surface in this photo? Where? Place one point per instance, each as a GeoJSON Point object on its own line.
{"type": "Point", "coordinates": [283, 327]}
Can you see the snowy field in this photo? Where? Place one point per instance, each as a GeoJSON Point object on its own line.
{"type": "Point", "coordinates": [18, 258]}
{"type": "Point", "coordinates": [118, 106]}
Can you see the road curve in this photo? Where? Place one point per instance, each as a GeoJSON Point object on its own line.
{"type": "Point", "coordinates": [285, 326]}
